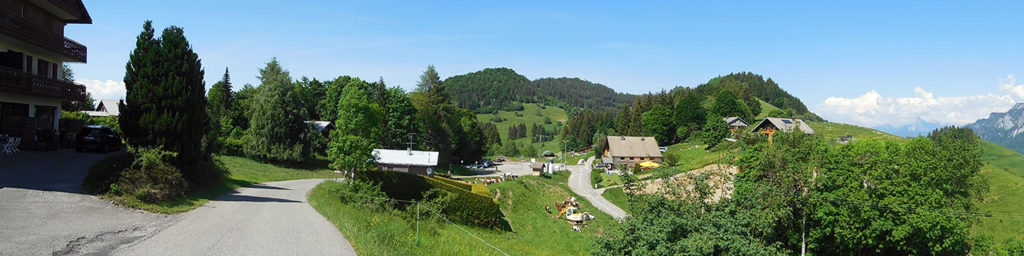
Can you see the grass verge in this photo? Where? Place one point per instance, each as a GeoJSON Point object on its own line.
{"type": "Point", "coordinates": [392, 232]}
{"type": "Point", "coordinates": [618, 197]}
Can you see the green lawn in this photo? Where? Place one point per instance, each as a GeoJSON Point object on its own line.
{"type": "Point", "coordinates": [1004, 169]}
{"type": "Point", "coordinates": [833, 131]}
{"type": "Point", "coordinates": [618, 197]}
{"type": "Point", "coordinates": [530, 117]}
{"type": "Point", "coordinates": [765, 108]}
{"type": "Point", "coordinates": [522, 201]}
{"type": "Point", "coordinates": [691, 156]}
{"type": "Point", "coordinates": [240, 172]}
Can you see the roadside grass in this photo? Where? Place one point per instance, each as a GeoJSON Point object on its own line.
{"type": "Point", "coordinates": [236, 172]}
{"type": "Point", "coordinates": [529, 117]}
{"type": "Point", "coordinates": [608, 180]}
{"type": "Point", "coordinates": [618, 197]}
{"type": "Point", "coordinates": [522, 201]}
{"type": "Point", "coordinates": [1004, 204]}
{"type": "Point", "coordinates": [833, 131]}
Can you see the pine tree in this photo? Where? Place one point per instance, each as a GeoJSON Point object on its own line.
{"type": "Point", "coordinates": [219, 102]}
{"type": "Point", "coordinates": [165, 103]}
{"type": "Point", "coordinates": [277, 124]}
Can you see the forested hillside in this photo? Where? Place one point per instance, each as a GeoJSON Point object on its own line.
{"type": "Point", "coordinates": [749, 87]}
{"type": "Point", "coordinates": [490, 90]}
{"type": "Point", "coordinates": [494, 89]}
{"type": "Point", "coordinates": [580, 93]}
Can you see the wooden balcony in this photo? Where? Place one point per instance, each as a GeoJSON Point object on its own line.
{"type": "Point", "coordinates": [13, 80]}
{"type": "Point", "coordinates": [20, 28]}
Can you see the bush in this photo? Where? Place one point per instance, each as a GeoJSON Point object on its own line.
{"type": "Point", "coordinates": [362, 194]}
{"type": "Point", "coordinates": [671, 159]}
{"type": "Point", "coordinates": [469, 208]}
{"type": "Point", "coordinates": [461, 205]}
{"type": "Point", "coordinates": [595, 176]}
{"type": "Point", "coordinates": [150, 178]}
{"type": "Point", "coordinates": [232, 146]}
{"type": "Point", "coordinates": [105, 173]}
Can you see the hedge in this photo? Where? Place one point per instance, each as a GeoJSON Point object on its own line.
{"type": "Point", "coordinates": [471, 208]}
{"type": "Point", "coordinates": [468, 205]}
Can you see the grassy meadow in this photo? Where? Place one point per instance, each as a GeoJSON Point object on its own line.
{"type": "Point", "coordinates": [530, 117]}
{"type": "Point", "coordinates": [1004, 204]}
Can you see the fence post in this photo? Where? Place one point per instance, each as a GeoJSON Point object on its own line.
{"type": "Point", "coordinates": [417, 222]}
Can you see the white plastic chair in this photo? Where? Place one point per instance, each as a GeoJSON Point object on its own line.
{"type": "Point", "coordinates": [14, 146]}
{"type": "Point", "coordinates": [5, 148]}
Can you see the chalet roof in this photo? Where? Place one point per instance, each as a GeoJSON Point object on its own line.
{"type": "Point", "coordinates": [538, 165]}
{"type": "Point", "coordinates": [627, 146]}
{"type": "Point", "coordinates": [735, 121]}
{"type": "Point", "coordinates": [321, 125]}
{"type": "Point", "coordinates": [107, 107]}
{"type": "Point", "coordinates": [783, 124]}
{"type": "Point", "coordinates": [406, 157]}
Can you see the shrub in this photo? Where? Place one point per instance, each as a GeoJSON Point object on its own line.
{"type": "Point", "coordinates": [595, 176]}
{"type": "Point", "coordinates": [105, 173]}
{"type": "Point", "coordinates": [150, 178]}
{"type": "Point", "coordinates": [362, 194]}
{"type": "Point", "coordinates": [232, 146]}
{"type": "Point", "coordinates": [469, 208]}
{"type": "Point", "coordinates": [671, 159]}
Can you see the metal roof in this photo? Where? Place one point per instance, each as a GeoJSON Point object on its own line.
{"type": "Point", "coordinates": [406, 157]}
{"type": "Point", "coordinates": [732, 119]}
{"type": "Point", "coordinates": [627, 146]}
{"type": "Point", "coordinates": [785, 125]}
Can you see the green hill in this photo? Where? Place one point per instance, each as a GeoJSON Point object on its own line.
{"type": "Point", "coordinates": [495, 89]}
{"type": "Point", "coordinates": [1004, 204]}
{"type": "Point", "coordinates": [753, 88]}
{"type": "Point", "coordinates": [835, 130]}
{"type": "Point", "coordinates": [529, 116]}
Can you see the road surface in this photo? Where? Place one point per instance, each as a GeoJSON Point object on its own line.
{"type": "Point", "coordinates": [579, 182]}
{"type": "Point", "coordinates": [264, 219]}
{"type": "Point", "coordinates": [44, 211]}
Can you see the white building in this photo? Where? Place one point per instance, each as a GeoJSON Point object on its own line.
{"type": "Point", "coordinates": [32, 51]}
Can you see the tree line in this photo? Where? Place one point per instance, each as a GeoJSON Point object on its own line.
{"type": "Point", "coordinates": [494, 89]}
{"type": "Point", "coordinates": [801, 193]}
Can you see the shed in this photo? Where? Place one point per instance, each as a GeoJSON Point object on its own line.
{"type": "Point", "coordinates": [408, 161]}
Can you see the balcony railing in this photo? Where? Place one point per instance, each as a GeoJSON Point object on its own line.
{"type": "Point", "coordinates": [19, 27]}
{"type": "Point", "coordinates": [13, 80]}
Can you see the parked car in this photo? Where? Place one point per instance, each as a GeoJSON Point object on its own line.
{"type": "Point", "coordinates": [500, 159]}
{"type": "Point", "coordinates": [486, 164]}
{"type": "Point", "coordinates": [95, 137]}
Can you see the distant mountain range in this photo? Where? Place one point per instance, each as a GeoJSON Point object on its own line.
{"type": "Point", "coordinates": [1006, 129]}
{"type": "Point", "coordinates": [917, 128]}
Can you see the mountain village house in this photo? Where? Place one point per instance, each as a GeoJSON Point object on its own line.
{"type": "Point", "coordinates": [629, 151]}
{"type": "Point", "coordinates": [773, 124]}
{"type": "Point", "coordinates": [106, 108]}
{"type": "Point", "coordinates": [407, 161]}
{"type": "Point", "coordinates": [735, 123]}
{"type": "Point", "coordinates": [32, 51]}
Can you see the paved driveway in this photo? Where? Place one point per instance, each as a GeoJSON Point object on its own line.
{"type": "Point", "coordinates": [273, 218]}
{"type": "Point", "coordinates": [579, 182]}
{"type": "Point", "coordinates": [43, 210]}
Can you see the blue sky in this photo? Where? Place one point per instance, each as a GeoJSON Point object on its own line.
{"type": "Point", "coordinates": [867, 63]}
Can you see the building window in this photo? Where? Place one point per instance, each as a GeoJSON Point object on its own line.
{"type": "Point", "coordinates": [28, 64]}
{"type": "Point", "coordinates": [630, 158]}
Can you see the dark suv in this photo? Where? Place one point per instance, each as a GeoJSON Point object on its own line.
{"type": "Point", "coordinates": [97, 138]}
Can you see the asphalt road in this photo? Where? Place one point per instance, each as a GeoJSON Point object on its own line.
{"type": "Point", "coordinates": [579, 182]}
{"type": "Point", "coordinates": [265, 219]}
{"type": "Point", "coordinates": [43, 210]}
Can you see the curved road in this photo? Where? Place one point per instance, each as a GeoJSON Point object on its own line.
{"type": "Point", "coordinates": [579, 182]}
{"type": "Point", "coordinates": [272, 218]}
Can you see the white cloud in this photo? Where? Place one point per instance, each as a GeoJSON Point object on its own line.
{"type": "Point", "coordinates": [109, 89]}
{"type": "Point", "coordinates": [872, 109]}
{"type": "Point", "coordinates": [1009, 85]}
